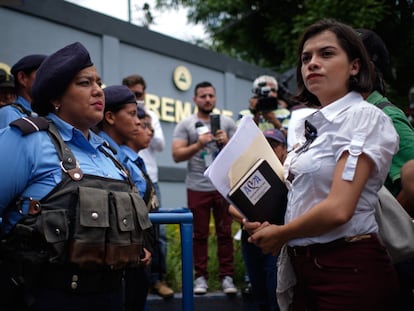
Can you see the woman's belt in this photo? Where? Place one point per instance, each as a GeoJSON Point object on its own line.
{"type": "Point", "coordinates": [296, 251]}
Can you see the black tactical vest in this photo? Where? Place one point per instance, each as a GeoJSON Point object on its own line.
{"type": "Point", "coordinates": [90, 221]}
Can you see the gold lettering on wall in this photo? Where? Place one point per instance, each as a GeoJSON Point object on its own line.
{"type": "Point", "coordinates": [182, 110]}
{"type": "Point", "coordinates": [174, 110]}
{"type": "Point", "coordinates": [167, 109]}
{"type": "Point", "coordinates": [153, 102]}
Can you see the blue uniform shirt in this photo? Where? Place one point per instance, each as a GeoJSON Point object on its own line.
{"type": "Point", "coordinates": [10, 113]}
{"type": "Point", "coordinates": [134, 171]}
{"type": "Point", "coordinates": [30, 166]}
{"type": "Point", "coordinates": [130, 157]}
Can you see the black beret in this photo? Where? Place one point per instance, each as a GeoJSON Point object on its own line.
{"type": "Point", "coordinates": [116, 96]}
{"type": "Point", "coordinates": [6, 79]}
{"type": "Point", "coordinates": [28, 63]}
{"type": "Point", "coordinates": [141, 113]}
{"type": "Point", "coordinates": [55, 74]}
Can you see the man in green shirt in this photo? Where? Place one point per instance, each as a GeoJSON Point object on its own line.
{"type": "Point", "coordinates": [380, 58]}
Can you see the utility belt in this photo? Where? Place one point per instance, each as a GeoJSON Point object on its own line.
{"type": "Point", "coordinates": [71, 279]}
{"type": "Point", "coordinates": [314, 249]}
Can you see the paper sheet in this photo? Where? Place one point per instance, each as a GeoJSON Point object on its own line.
{"type": "Point", "coordinates": [245, 147]}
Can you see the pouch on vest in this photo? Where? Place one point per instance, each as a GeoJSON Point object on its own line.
{"type": "Point", "coordinates": [110, 228]}
{"type": "Point", "coordinates": [87, 247]}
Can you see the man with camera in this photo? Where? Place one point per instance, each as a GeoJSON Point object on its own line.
{"type": "Point", "coordinates": [268, 111]}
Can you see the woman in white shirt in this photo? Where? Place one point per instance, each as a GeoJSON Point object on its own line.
{"type": "Point", "coordinates": [333, 176]}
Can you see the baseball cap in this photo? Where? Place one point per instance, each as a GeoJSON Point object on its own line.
{"type": "Point", "coordinates": [276, 135]}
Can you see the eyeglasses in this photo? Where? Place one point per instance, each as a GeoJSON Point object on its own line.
{"type": "Point", "coordinates": [310, 134]}
{"type": "Point", "coordinates": [138, 94]}
{"type": "Point", "coordinates": [146, 125]}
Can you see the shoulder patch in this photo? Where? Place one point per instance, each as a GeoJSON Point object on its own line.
{"type": "Point", "coordinates": [29, 125]}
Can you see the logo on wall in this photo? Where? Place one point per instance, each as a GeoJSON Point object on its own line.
{"type": "Point", "coordinates": [182, 78]}
{"type": "Point", "coordinates": [5, 67]}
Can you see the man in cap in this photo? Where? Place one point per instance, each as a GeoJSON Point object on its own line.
{"type": "Point", "coordinates": [277, 140]}
{"type": "Point", "coordinates": [24, 72]}
{"type": "Point", "coordinates": [7, 92]}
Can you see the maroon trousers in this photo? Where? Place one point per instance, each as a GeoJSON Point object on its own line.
{"type": "Point", "coordinates": [201, 205]}
{"type": "Point", "coordinates": [344, 276]}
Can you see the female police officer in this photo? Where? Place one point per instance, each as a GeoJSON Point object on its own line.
{"type": "Point", "coordinates": [120, 125]}
{"type": "Point", "coordinates": [72, 221]}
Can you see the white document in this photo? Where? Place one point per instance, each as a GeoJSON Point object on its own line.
{"type": "Point", "coordinates": [245, 147]}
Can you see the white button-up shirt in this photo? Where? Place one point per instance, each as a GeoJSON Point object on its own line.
{"type": "Point", "coordinates": [348, 124]}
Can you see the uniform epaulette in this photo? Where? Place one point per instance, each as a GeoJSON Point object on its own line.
{"type": "Point", "coordinates": [29, 125]}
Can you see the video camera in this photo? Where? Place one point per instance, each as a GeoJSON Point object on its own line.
{"type": "Point", "coordinates": [265, 102]}
{"type": "Point", "coordinates": [262, 90]}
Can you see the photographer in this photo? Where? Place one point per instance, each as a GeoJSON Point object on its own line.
{"type": "Point", "coordinates": [268, 111]}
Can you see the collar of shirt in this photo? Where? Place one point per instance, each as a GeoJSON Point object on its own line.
{"type": "Point", "coordinates": [134, 157]}
{"type": "Point", "coordinates": [130, 158]}
{"type": "Point", "coordinates": [120, 154]}
{"type": "Point", "coordinates": [72, 134]}
{"type": "Point", "coordinates": [331, 111]}
{"type": "Point", "coordinates": [131, 154]}
{"type": "Point", "coordinates": [22, 101]}
{"type": "Point", "coordinates": [110, 141]}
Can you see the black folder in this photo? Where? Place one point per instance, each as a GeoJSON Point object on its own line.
{"type": "Point", "coordinates": [260, 195]}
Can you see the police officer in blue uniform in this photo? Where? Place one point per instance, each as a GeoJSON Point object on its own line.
{"type": "Point", "coordinates": [72, 219]}
{"type": "Point", "coordinates": [119, 125]}
{"type": "Point", "coordinates": [24, 73]}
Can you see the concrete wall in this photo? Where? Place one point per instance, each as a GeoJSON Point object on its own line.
{"type": "Point", "coordinates": [119, 49]}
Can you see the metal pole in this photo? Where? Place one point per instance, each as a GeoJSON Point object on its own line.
{"type": "Point", "coordinates": [129, 12]}
{"type": "Point", "coordinates": [184, 217]}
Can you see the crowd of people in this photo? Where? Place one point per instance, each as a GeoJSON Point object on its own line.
{"type": "Point", "coordinates": [82, 178]}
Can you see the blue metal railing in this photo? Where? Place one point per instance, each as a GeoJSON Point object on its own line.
{"type": "Point", "coordinates": [184, 218]}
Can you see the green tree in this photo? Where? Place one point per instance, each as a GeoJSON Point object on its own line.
{"type": "Point", "coordinates": [265, 32]}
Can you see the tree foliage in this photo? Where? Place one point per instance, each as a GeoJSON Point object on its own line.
{"type": "Point", "coordinates": [265, 32]}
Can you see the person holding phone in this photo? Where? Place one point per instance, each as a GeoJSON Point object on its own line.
{"type": "Point", "coordinates": [193, 141]}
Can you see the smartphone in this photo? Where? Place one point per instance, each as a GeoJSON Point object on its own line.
{"type": "Point", "coordinates": [214, 123]}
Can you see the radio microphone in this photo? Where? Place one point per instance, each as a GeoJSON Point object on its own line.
{"type": "Point", "coordinates": [201, 128]}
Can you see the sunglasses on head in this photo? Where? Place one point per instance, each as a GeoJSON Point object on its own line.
{"type": "Point", "coordinates": [138, 94]}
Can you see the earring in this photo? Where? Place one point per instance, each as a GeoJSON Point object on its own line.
{"type": "Point", "coordinates": [57, 108]}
